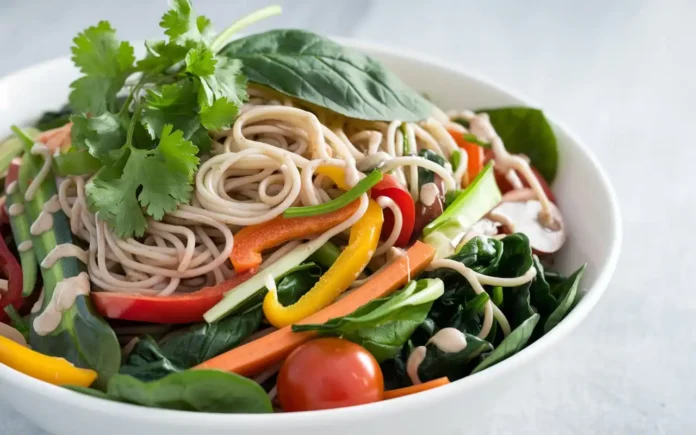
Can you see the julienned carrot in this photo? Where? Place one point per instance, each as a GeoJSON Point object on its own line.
{"type": "Point", "coordinates": [58, 138]}
{"type": "Point", "coordinates": [257, 355]}
{"type": "Point", "coordinates": [251, 241]}
{"type": "Point", "coordinates": [401, 392]}
{"type": "Point", "coordinates": [474, 152]}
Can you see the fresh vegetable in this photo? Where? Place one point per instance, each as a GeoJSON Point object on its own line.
{"type": "Point", "coordinates": [383, 325]}
{"type": "Point", "coordinates": [329, 373]}
{"type": "Point", "coordinates": [391, 188]}
{"type": "Point", "coordinates": [453, 365]}
{"type": "Point", "coordinates": [74, 162]}
{"type": "Point", "coordinates": [337, 203]}
{"type": "Point", "coordinates": [512, 344]}
{"type": "Point", "coordinates": [322, 72]}
{"type": "Point", "coordinates": [83, 337]}
{"type": "Point", "coordinates": [183, 349]}
{"type": "Point", "coordinates": [17, 322]}
{"type": "Point", "coordinates": [149, 142]}
{"type": "Point", "coordinates": [326, 255]}
{"type": "Point", "coordinates": [239, 297]}
{"type": "Point", "coordinates": [200, 391]}
{"type": "Point", "coordinates": [251, 241]}
{"type": "Point", "coordinates": [566, 295]}
{"type": "Point", "coordinates": [57, 139]}
{"type": "Point", "coordinates": [413, 389]}
{"type": "Point", "coordinates": [10, 148]}
{"type": "Point", "coordinates": [56, 371]}
{"type": "Point", "coordinates": [470, 206]}
{"type": "Point", "coordinates": [506, 187]}
{"type": "Point", "coordinates": [180, 308]}
{"type": "Point", "coordinates": [525, 130]}
{"type": "Point", "coordinates": [12, 272]}
{"type": "Point", "coordinates": [272, 348]}
{"type": "Point", "coordinates": [474, 152]}
{"type": "Point", "coordinates": [20, 230]}
{"type": "Point", "coordinates": [364, 237]}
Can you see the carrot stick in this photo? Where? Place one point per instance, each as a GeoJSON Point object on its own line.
{"type": "Point", "coordinates": [251, 241]}
{"type": "Point", "coordinates": [255, 356]}
{"type": "Point", "coordinates": [474, 152]}
{"type": "Point", "coordinates": [413, 389]}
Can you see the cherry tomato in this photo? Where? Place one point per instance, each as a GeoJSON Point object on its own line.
{"type": "Point", "coordinates": [329, 373]}
{"type": "Point", "coordinates": [504, 184]}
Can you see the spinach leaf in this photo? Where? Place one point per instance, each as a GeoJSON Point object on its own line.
{"type": "Point", "coordinates": [526, 130]}
{"type": "Point", "coordinates": [517, 307]}
{"type": "Point", "coordinates": [297, 282]}
{"type": "Point", "coordinates": [516, 258]}
{"type": "Point", "coordinates": [194, 390]}
{"type": "Point", "coordinates": [394, 369]}
{"type": "Point", "coordinates": [189, 346]}
{"type": "Point", "coordinates": [317, 70]}
{"type": "Point", "coordinates": [54, 119]}
{"type": "Point", "coordinates": [468, 320]}
{"type": "Point", "coordinates": [540, 291]}
{"type": "Point", "coordinates": [438, 363]}
{"type": "Point", "coordinates": [566, 292]}
{"type": "Point", "coordinates": [426, 176]}
{"type": "Point", "coordinates": [383, 325]}
{"type": "Point", "coordinates": [512, 344]}
{"type": "Point", "coordinates": [90, 392]}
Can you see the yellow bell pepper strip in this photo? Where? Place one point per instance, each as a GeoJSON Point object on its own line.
{"type": "Point", "coordinates": [56, 371]}
{"type": "Point", "coordinates": [364, 237]}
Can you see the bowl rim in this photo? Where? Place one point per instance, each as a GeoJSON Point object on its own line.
{"type": "Point", "coordinates": [394, 406]}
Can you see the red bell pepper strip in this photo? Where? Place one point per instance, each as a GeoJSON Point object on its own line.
{"type": "Point", "coordinates": [11, 270]}
{"type": "Point", "coordinates": [176, 309]}
{"type": "Point", "coordinates": [391, 188]}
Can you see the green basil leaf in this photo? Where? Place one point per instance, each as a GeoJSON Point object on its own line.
{"type": "Point", "coordinates": [512, 344]}
{"type": "Point", "coordinates": [525, 130]}
{"type": "Point", "coordinates": [383, 325]}
{"type": "Point", "coordinates": [194, 390]}
{"type": "Point", "coordinates": [317, 70]}
{"type": "Point", "coordinates": [567, 291]}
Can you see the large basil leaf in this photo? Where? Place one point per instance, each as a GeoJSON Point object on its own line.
{"type": "Point", "coordinates": [438, 363]}
{"type": "Point", "coordinates": [566, 292]}
{"type": "Point", "coordinates": [317, 70]}
{"type": "Point", "coordinates": [190, 346]}
{"type": "Point", "coordinates": [193, 390]}
{"type": "Point", "coordinates": [525, 130]}
{"type": "Point", "coordinates": [512, 344]}
{"type": "Point", "coordinates": [383, 325]}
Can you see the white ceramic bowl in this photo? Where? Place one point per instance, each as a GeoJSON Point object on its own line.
{"type": "Point", "coordinates": [594, 229]}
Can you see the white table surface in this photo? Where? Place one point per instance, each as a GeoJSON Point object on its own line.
{"type": "Point", "coordinates": [621, 74]}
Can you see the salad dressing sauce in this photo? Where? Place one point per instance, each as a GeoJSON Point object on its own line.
{"type": "Point", "coordinates": [11, 188]}
{"type": "Point", "coordinates": [64, 296]}
{"type": "Point", "coordinates": [44, 222]}
{"type": "Point", "coordinates": [429, 193]}
{"type": "Point", "coordinates": [448, 340]}
{"type": "Point", "coordinates": [16, 209]}
{"type": "Point", "coordinates": [25, 246]}
{"type": "Point", "coordinates": [11, 333]}
{"type": "Point", "coordinates": [62, 251]}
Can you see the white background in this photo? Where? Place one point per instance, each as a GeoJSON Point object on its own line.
{"type": "Point", "coordinates": [619, 73]}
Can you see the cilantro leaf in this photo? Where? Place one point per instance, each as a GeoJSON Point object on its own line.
{"type": "Point", "coordinates": [200, 62]}
{"type": "Point", "coordinates": [161, 56]}
{"type": "Point", "coordinates": [173, 104]}
{"type": "Point", "coordinates": [106, 64]}
{"type": "Point", "coordinates": [100, 135]}
{"type": "Point", "coordinates": [181, 24]}
{"type": "Point", "coordinates": [219, 115]}
{"type": "Point", "coordinates": [226, 82]}
{"type": "Point", "coordinates": [157, 180]}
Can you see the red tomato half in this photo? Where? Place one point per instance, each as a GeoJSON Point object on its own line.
{"type": "Point", "coordinates": [329, 373]}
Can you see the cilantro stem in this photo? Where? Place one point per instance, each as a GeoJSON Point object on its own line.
{"type": "Point", "coordinates": [131, 126]}
{"type": "Point", "coordinates": [246, 21]}
{"type": "Point", "coordinates": [131, 95]}
{"type": "Point", "coordinates": [312, 210]}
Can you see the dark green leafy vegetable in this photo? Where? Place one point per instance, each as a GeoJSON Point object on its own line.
{"type": "Point", "coordinates": [383, 325]}
{"type": "Point", "coordinates": [194, 390]}
{"type": "Point", "coordinates": [54, 119]}
{"type": "Point", "coordinates": [317, 70]}
{"type": "Point", "coordinates": [190, 346]}
{"type": "Point", "coordinates": [438, 363]}
{"type": "Point", "coordinates": [512, 344]}
{"type": "Point", "coordinates": [565, 294]}
{"type": "Point", "coordinates": [426, 175]}
{"type": "Point", "coordinates": [525, 130]}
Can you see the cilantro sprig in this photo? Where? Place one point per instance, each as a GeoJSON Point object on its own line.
{"type": "Point", "coordinates": [146, 121]}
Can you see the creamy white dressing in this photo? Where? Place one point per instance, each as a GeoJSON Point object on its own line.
{"type": "Point", "coordinates": [52, 205]}
{"type": "Point", "coordinates": [3, 285]}
{"type": "Point", "coordinates": [42, 224]}
{"type": "Point", "coordinates": [480, 125]}
{"type": "Point", "coordinates": [449, 340]}
{"type": "Point", "coordinates": [62, 251]}
{"type": "Point", "coordinates": [11, 188]}
{"type": "Point", "coordinates": [39, 303]}
{"type": "Point", "coordinates": [11, 333]}
{"type": "Point", "coordinates": [64, 296]}
{"type": "Point", "coordinates": [429, 193]}
{"type": "Point", "coordinates": [25, 246]}
{"type": "Point", "coordinates": [16, 209]}
{"type": "Point", "coordinates": [39, 149]}
{"type": "Point", "coordinates": [414, 361]}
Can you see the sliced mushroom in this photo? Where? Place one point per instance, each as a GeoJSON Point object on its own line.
{"type": "Point", "coordinates": [519, 214]}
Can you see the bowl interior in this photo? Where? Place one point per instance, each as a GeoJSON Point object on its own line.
{"type": "Point", "coordinates": [585, 198]}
